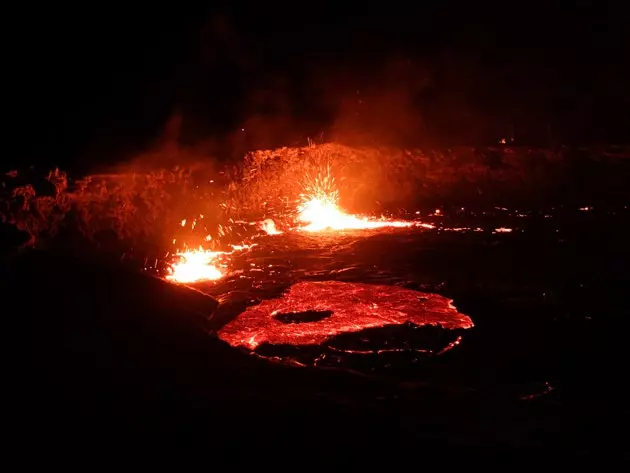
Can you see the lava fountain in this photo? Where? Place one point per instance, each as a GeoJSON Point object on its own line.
{"type": "Point", "coordinates": [322, 212]}
{"type": "Point", "coordinates": [196, 265]}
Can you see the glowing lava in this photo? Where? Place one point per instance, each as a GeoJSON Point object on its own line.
{"type": "Point", "coordinates": [342, 307]}
{"type": "Point", "coordinates": [318, 211]}
{"type": "Point", "coordinates": [268, 226]}
{"type": "Point", "coordinates": [322, 212]}
{"type": "Point", "coordinates": [196, 265]}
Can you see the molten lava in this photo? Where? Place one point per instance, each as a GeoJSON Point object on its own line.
{"type": "Point", "coordinates": [268, 226]}
{"type": "Point", "coordinates": [322, 212]}
{"type": "Point", "coordinates": [318, 211]}
{"type": "Point", "coordinates": [312, 312]}
{"type": "Point", "coordinates": [197, 265]}
{"type": "Point", "coordinates": [201, 265]}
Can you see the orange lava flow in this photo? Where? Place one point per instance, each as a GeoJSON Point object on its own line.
{"type": "Point", "coordinates": [342, 308]}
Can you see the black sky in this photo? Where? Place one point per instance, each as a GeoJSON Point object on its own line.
{"type": "Point", "coordinates": [90, 81]}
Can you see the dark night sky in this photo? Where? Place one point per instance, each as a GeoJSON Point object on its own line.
{"type": "Point", "coordinates": [88, 82]}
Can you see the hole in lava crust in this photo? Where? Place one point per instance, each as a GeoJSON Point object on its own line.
{"type": "Point", "coordinates": [305, 316]}
{"type": "Point", "coordinates": [354, 307]}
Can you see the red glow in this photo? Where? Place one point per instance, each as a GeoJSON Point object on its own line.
{"type": "Point", "coordinates": [354, 307]}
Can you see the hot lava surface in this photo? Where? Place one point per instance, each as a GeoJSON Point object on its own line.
{"type": "Point", "coordinates": [353, 299]}
{"type": "Point", "coordinates": [345, 308]}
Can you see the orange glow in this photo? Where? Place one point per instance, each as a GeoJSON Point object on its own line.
{"type": "Point", "coordinates": [317, 211]}
{"type": "Point", "coordinates": [196, 265]}
{"type": "Point", "coordinates": [321, 212]}
{"type": "Point", "coordinates": [268, 226]}
{"type": "Point", "coordinates": [201, 265]}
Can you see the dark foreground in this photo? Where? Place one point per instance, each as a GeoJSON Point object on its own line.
{"type": "Point", "coordinates": [102, 356]}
